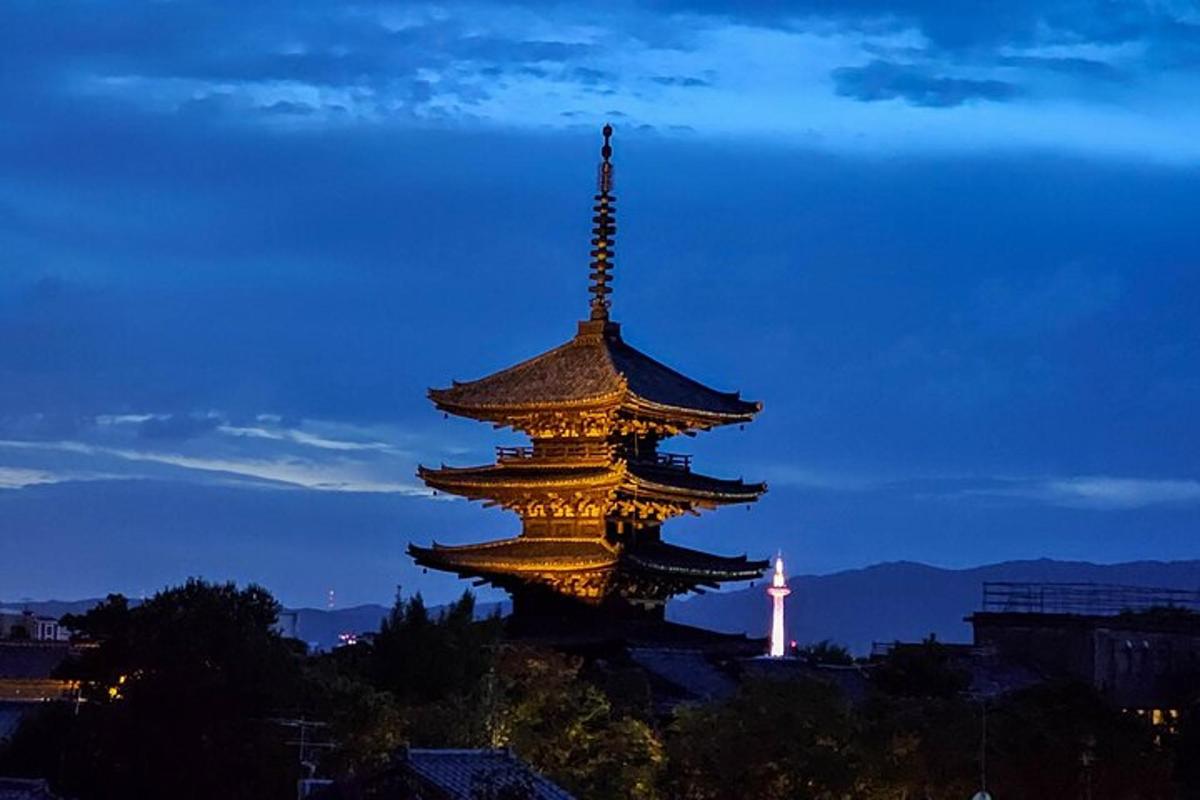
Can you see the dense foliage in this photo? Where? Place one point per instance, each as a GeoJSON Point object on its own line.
{"type": "Point", "coordinates": [178, 696]}
{"type": "Point", "coordinates": [183, 697]}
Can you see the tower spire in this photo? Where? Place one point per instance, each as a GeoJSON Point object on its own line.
{"type": "Point", "coordinates": [778, 590]}
{"type": "Point", "coordinates": [603, 232]}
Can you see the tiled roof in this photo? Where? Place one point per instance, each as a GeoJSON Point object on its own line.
{"type": "Point", "coordinates": [25, 789]}
{"type": "Point", "coordinates": [688, 671]}
{"type": "Point", "coordinates": [646, 475]}
{"type": "Point", "coordinates": [11, 714]}
{"type": "Point", "coordinates": [531, 553]}
{"type": "Point", "coordinates": [665, 557]}
{"type": "Point", "coordinates": [592, 370]}
{"type": "Point", "coordinates": [520, 553]}
{"type": "Point", "coordinates": [31, 659]}
{"type": "Point", "coordinates": [695, 482]}
{"type": "Point", "coordinates": [469, 774]}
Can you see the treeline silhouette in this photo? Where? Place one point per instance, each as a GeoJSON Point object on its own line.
{"type": "Point", "coordinates": [183, 697]}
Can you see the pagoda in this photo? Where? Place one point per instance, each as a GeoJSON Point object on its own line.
{"type": "Point", "coordinates": [592, 488]}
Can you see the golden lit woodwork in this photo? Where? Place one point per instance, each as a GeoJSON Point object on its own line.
{"type": "Point", "coordinates": [592, 488]}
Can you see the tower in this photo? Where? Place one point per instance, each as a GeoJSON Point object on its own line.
{"type": "Point", "coordinates": [592, 488]}
{"type": "Point", "coordinates": [778, 590]}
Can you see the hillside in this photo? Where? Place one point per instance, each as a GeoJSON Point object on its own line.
{"type": "Point", "coordinates": [904, 600]}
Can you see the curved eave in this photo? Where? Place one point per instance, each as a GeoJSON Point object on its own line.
{"type": "Point", "coordinates": [638, 406]}
{"type": "Point", "coordinates": [713, 490]}
{"type": "Point", "coordinates": [744, 571]}
{"type": "Point", "coordinates": [512, 557]}
{"type": "Point", "coordinates": [627, 402]}
{"type": "Point", "coordinates": [487, 479]}
{"type": "Point", "coordinates": [443, 400]}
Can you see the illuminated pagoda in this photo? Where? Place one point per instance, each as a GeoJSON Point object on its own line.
{"type": "Point", "coordinates": [592, 489]}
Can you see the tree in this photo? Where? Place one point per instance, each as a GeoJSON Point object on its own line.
{"type": "Point", "coordinates": [772, 740]}
{"type": "Point", "coordinates": [423, 660]}
{"type": "Point", "coordinates": [180, 694]}
{"type": "Point", "coordinates": [566, 727]}
{"type": "Point", "coordinates": [825, 651]}
{"type": "Point", "coordinates": [924, 670]}
{"type": "Point", "coordinates": [1063, 739]}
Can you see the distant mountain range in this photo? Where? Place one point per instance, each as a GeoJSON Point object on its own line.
{"type": "Point", "coordinates": [886, 602]}
{"type": "Point", "coordinates": [903, 600]}
{"type": "Point", "coordinates": [317, 626]}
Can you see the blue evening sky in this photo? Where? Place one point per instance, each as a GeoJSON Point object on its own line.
{"type": "Point", "coordinates": [953, 247]}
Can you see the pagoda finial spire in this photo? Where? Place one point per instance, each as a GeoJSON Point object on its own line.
{"type": "Point", "coordinates": [603, 232]}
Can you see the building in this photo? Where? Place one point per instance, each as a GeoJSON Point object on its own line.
{"type": "Point", "coordinates": [25, 624]}
{"type": "Point", "coordinates": [1139, 647]}
{"type": "Point", "coordinates": [28, 672]}
{"type": "Point", "coordinates": [593, 489]}
{"type": "Point", "coordinates": [447, 775]}
{"type": "Point", "coordinates": [28, 678]}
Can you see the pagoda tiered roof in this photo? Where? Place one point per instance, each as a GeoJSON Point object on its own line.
{"type": "Point", "coordinates": [595, 370]}
{"type": "Point", "coordinates": [527, 554]}
{"type": "Point", "coordinates": [648, 479]}
{"type": "Point", "coordinates": [591, 487]}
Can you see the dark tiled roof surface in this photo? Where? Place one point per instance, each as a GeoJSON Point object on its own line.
{"type": "Point", "coordinates": [11, 715]}
{"type": "Point", "coordinates": [694, 481]}
{"type": "Point", "coordinates": [590, 369]}
{"type": "Point", "coordinates": [25, 789]}
{"type": "Point", "coordinates": [31, 659]}
{"type": "Point", "coordinates": [672, 558]}
{"type": "Point", "coordinates": [468, 774]}
{"type": "Point", "coordinates": [689, 671]}
{"type": "Point", "coordinates": [658, 383]}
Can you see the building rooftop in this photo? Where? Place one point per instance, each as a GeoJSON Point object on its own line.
{"type": "Point", "coordinates": [464, 773]}
{"type": "Point", "coordinates": [594, 370]}
{"type": "Point", "coordinates": [25, 789]}
{"type": "Point", "coordinates": [1086, 599]}
{"type": "Point", "coordinates": [450, 775]}
{"type": "Point", "coordinates": [32, 659]}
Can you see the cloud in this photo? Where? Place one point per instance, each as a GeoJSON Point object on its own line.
{"type": "Point", "coordinates": [883, 80]}
{"type": "Point", "coordinates": [177, 426]}
{"type": "Point", "coordinates": [1120, 493]}
{"type": "Point", "coordinates": [686, 81]}
{"type": "Point", "coordinates": [1085, 492]}
{"type": "Point", "coordinates": [1090, 492]}
{"type": "Point", "coordinates": [14, 478]}
{"type": "Point", "coordinates": [19, 478]}
{"type": "Point", "coordinates": [972, 26]}
{"type": "Point", "coordinates": [498, 65]}
{"type": "Point", "coordinates": [304, 438]}
{"type": "Point", "coordinates": [316, 455]}
{"type": "Point", "coordinates": [1088, 68]}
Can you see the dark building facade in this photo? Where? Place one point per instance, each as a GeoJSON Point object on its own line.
{"type": "Point", "coordinates": [1139, 647]}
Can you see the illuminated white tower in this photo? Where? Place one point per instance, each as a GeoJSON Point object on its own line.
{"type": "Point", "coordinates": [778, 590]}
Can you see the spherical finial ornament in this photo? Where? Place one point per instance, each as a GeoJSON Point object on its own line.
{"type": "Point", "coordinates": [606, 150]}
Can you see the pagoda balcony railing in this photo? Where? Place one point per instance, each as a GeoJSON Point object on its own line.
{"type": "Point", "coordinates": [584, 452]}
{"type": "Point", "coordinates": [674, 461]}
{"type": "Point", "coordinates": [556, 451]}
